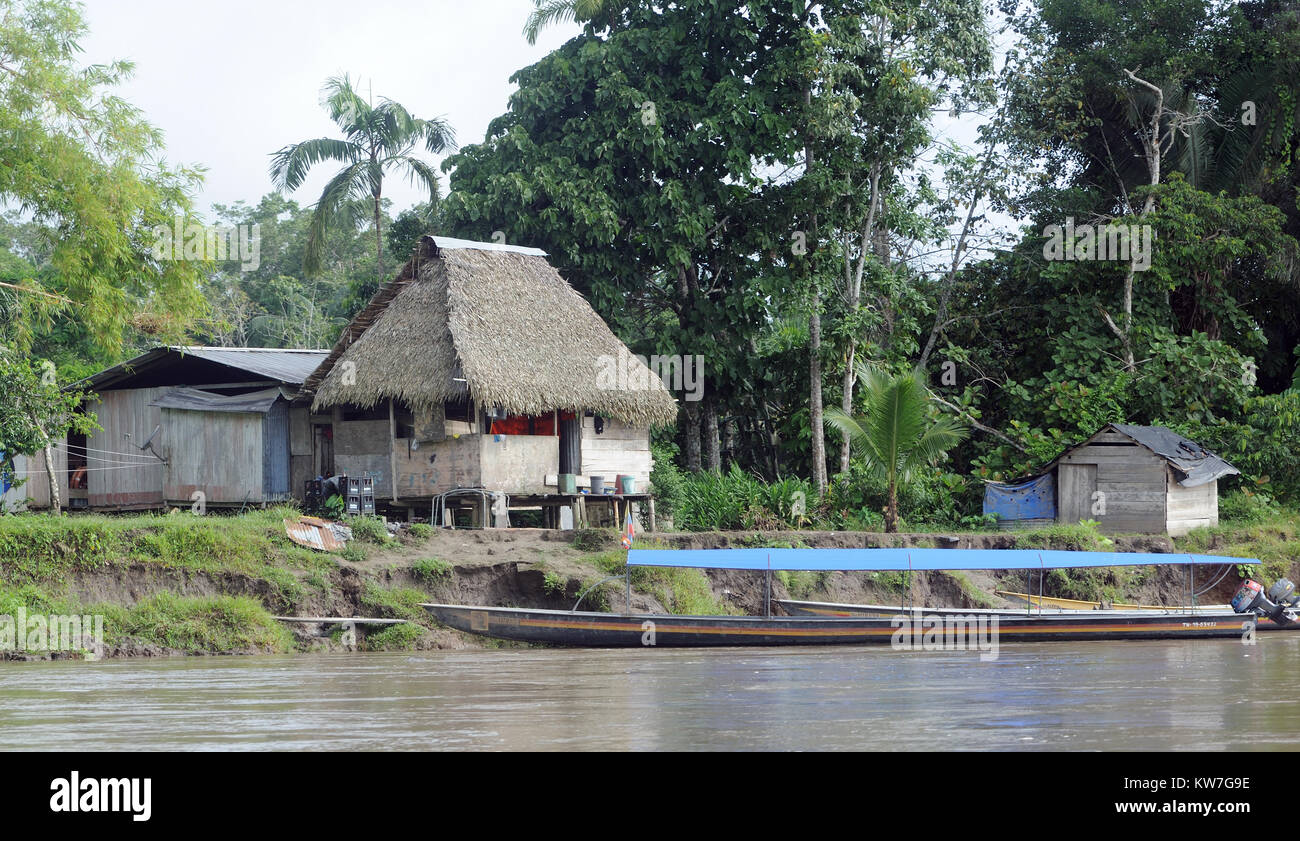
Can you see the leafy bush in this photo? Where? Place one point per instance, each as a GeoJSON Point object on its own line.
{"type": "Point", "coordinates": [421, 531]}
{"type": "Point", "coordinates": [1246, 506]}
{"type": "Point", "coordinates": [666, 480]}
{"type": "Point", "coordinates": [725, 501]}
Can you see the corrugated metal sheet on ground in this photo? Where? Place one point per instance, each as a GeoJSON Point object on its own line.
{"type": "Point", "coordinates": [315, 533]}
{"type": "Point", "coordinates": [914, 559]}
{"type": "Point", "coordinates": [1032, 500]}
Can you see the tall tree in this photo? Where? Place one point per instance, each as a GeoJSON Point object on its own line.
{"type": "Point", "coordinates": [377, 139]}
{"type": "Point", "coordinates": [86, 170]}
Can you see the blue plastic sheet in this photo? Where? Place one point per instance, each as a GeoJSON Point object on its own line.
{"type": "Point", "coordinates": [1032, 500]}
{"type": "Point", "coordinates": [915, 559]}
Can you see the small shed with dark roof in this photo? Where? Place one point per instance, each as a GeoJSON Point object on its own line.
{"type": "Point", "coordinates": [178, 424]}
{"type": "Point", "coordinates": [1142, 479]}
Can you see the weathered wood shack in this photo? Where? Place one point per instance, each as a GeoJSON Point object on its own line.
{"type": "Point", "coordinates": [1143, 479]}
{"type": "Point", "coordinates": [167, 429]}
{"type": "Point", "coordinates": [479, 367]}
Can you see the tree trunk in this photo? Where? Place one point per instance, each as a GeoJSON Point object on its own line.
{"type": "Point", "coordinates": [854, 281]}
{"type": "Point", "coordinates": [379, 240]}
{"type": "Point", "coordinates": [815, 392]}
{"type": "Point", "coordinates": [56, 503]}
{"type": "Point", "coordinates": [691, 414]}
{"type": "Point", "coordinates": [891, 511]}
{"type": "Point", "coordinates": [814, 335]}
{"type": "Point", "coordinates": [712, 450]}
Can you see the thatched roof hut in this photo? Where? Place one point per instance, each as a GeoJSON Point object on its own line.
{"type": "Point", "coordinates": [495, 320]}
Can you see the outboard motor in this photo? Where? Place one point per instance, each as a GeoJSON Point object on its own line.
{"type": "Point", "coordinates": [1280, 604]}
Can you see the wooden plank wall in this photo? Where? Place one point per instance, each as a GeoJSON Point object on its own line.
{"type": "Point", "coordinates": [1133, 479]}
{"type": "Point", "coordinates": [35, 492]}
{"type": "Point", "coordinates": [1191, 508]}
{"type": "Point", "coordinates": [619, 448]}
{"type": "Point", "coordinates": [118, 413]}
{"type": "Point", "coordinates": [300, 450]}
{"type": "Point", "coordinates": [218, 453]}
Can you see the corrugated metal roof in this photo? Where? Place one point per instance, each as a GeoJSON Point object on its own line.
{"type": "Point", "coordinates": [451, 244]}
{"type": "Point", "coordinates": [288, 365]}
{"type": "Point", "coordinates": [1198, 465]}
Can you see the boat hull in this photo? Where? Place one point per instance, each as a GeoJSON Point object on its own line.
{"type": "Point", "coordinates": [612, 630]}
{"type": "Point", "coordinates": [833, 610]}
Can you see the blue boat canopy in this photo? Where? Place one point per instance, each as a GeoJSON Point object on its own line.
{"type": "Point", "coordinates": [910, 559]}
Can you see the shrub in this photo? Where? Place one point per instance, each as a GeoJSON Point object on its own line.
{"type": "Point", "coordinates": [421, 531]}
{"type": "Point", "coordinates": [369, 529]}
{"type": "Point", "coordinates": [1246, 506]}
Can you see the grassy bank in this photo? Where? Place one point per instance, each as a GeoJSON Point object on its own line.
{"type": "Point", "coordinates": [181, 583]}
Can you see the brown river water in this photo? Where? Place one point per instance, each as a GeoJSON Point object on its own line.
{"type": "Point", "coordinates": [1193, 695]}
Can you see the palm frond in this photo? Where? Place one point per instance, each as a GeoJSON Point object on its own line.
{"type": "Point", "coordinates": [418, 173]}
{"type": "Point", "coordinates": [347, 108]}
{"type": "Point", "coordinates": [547, 12]}
{"type": "Point", "coordinates": [333, 205]}
{"type": "Point", "coordinates": [289, 165]}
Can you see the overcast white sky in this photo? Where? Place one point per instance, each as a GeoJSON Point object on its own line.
{"type": "Point", "coordinates": [231, 82]}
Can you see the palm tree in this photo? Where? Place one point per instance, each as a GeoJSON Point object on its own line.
{"type": "Point", "coordinates": [547, 12]}
{"type": "Point", "coordinates": [378, 138]}
{"type": "Point", "coordinates": [896, 436]}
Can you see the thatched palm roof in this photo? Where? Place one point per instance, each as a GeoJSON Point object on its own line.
{"type": "Point", "coordinates": [500, 322]}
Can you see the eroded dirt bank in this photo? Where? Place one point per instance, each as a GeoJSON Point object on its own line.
{"type": "Point", "coordinates": [549, 569]}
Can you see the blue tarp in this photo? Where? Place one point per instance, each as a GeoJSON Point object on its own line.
{"type": "Point", "coordinates": [1032, 500]}
{"type": "Point", "coordinates": [900, 559]}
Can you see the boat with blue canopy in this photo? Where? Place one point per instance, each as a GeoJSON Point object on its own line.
{"type": "Point", "coordinates": [599, 629]}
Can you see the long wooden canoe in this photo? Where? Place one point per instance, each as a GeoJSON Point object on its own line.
{"type": "Point", "coordinates": [1079, 604]}
{"type": "Point", "coordinates": [613, 630]}
{"type": "Point", "coordinates": [832, 610]}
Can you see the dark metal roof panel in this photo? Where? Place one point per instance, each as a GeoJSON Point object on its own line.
{"type": "Point", "coordinates": [1198, 465]}
{"type": "Point", "coordinates": [196, 400]}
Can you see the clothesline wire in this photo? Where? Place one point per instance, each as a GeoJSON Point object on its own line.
{"type": "Point", "coordinates": [98, 450]}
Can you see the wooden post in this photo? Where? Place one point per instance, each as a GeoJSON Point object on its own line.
{"type": "Point", "coordinates": [392, 446]}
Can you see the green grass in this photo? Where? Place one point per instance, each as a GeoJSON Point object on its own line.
{"type": "Point", "coordinates": [38, 548]}
{"type": "Point", "coordinates": [1274, 540]}
{"type": "Point", "coordinates": [1080, 537]}
{"type": "Point", "coordinates": [431, 570]}
{"type": "Point", "coordinates": [803, 583]}
{"type": "Point", "coordinates": [682, 591]}
{"type": "Point", "coordinates": [213, 624]}
{"type": "Point", "coordinates": [394, 638]}
{"type": "Point", "coordinates": [554, 584]}
{"type": "Point", "coordinates": [395, 603]}
{"type": "Point", "coordinates": [369, 530]}
{"type": "Point", "coordinates": [977, 596]}
{"type": "Point", "coordinates": [421, 531]}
